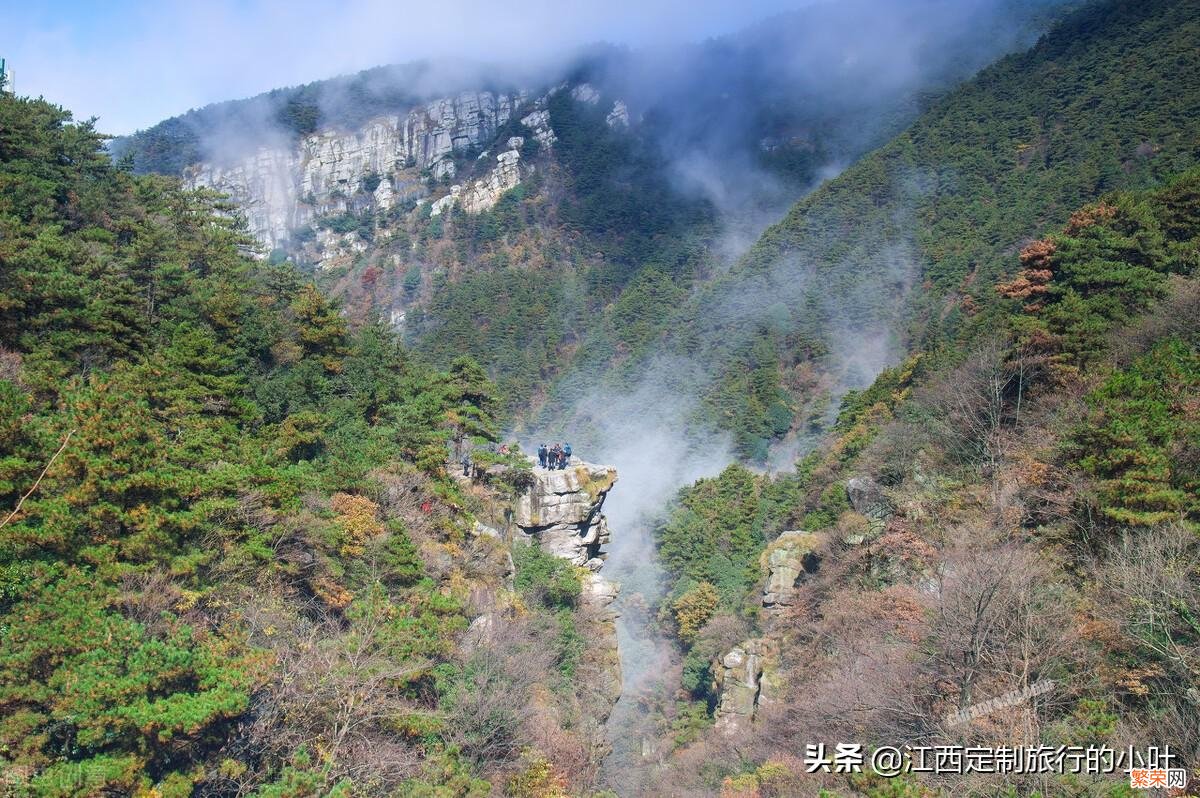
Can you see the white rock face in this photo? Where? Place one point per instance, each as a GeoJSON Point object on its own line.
{"type": "Point", "coordinates": [283, 189]}
{"type": "Point", "coordinates": [562, 510]}
{"type": "Point", "coordinates": [586, 93]}
{"type": "Point", "coordinates": [539, 123]}
{"type": "Point", "coordinates": [618, 117]}
{"type": "Point", "coordinates": [486, 192]}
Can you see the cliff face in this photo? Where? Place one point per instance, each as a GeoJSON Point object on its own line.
{"type": "Point", "coordinates": [456, 151]}
{"type": "Point", "coordinates": [562, 510]}
{"type": "Point", "coordinates": [281, 189]}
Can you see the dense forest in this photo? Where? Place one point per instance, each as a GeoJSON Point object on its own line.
{"type": "Point", "coordinates": [1040, 471]}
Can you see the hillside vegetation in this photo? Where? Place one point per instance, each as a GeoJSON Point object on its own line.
{"type": "Point", "coordinates": [1039, 520]}
{"type": "Point", "coordinates": [1109, 99]}
{"type": "Point", "coordinates": [231, 561]}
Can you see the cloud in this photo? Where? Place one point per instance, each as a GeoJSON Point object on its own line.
{"type": "Point", "coordinates": [135, 63]}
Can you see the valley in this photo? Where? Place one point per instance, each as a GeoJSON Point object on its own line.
{"type": "Point", "coordinates": [874, 331]}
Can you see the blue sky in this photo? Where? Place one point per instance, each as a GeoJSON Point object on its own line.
{"type": "Point", "coordinates": [133, 63]}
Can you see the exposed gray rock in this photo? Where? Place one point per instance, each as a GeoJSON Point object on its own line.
{"type": "Point", "coordinates": [282, 188]}
{"type": "Point", "coordinates": [562, 510]}
{"type": "Point", "coordinates": [478, 632]}
{"type": "Point", "coordinates": [586, 93]}
{"type": "Point", "coordinates": [618, 117]}
{"type": "Point", "coordinates": [866, 497]}
{"type": "Point", "coordinates": [539, 123]}
{"type": "Point", "coordinates": [598, 592]}
{"type": "Point", "coordinates": [447, 202]}
{"type": "Point", "coordinates": [485, 193]}
{"type": "Point", "coordinates": [737, 677]}
{"type": "Point", "coordinates": [483, 530]}
{"type": "Point", "coordinates": [786, 560]}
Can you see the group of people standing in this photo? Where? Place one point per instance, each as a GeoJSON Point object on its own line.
{"type": "Point", "coordinates": [553, 457]}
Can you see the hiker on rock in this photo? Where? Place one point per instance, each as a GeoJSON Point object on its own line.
{"type": "Point", "coordinates": [543, 454]}
{"type": "Point", "coordinates": [466, 464]}
{"type": "Point", "coordinates": [566, 454]}
{"type": "Point", "coordinates": [555, 456]}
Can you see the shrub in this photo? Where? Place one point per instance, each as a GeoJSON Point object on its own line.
{"type": "Point", "coordinates": [694, 608]}
{"type": "Point", "coordinates": [548, 580]}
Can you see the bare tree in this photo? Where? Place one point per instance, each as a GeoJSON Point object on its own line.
{"type": "Point", "coordinates": [1000, 624]}
{"type": "Point", "coordinates": [970, 408]}
{"type": "Point", "coordinates": [340, 690]}
{"type": "Point", "coordinates": [489, 708]}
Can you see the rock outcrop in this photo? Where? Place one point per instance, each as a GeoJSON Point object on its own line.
{"type": "Point", "coordinates": [866, 497]}
{"type": "Point", "coordinates": [562, 510]}
{"type": "Point", "coordinates": [787, 560]}
{"type": "Point", "coordinates": [618, 117]}
{"type": "Point", "coordinates": [283, 188]}
{"type": "Point", "coordinates": [737, 680]}
{"type": "Point", "coordinates": [322, 198]}
{"type": "Point", "coordinates": [486, 192]}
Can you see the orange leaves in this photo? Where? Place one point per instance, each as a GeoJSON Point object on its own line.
{"type": "Point", "coordinates": [1089, 215]}
{"type": "Point", "coordinates": [330, 592]}
{"type": "Point", "coordinates": [1032, 283]}
{"type": "Point", "coordinates": [1137, 681]}
{"type": "Point", "coordinates": [1037, 254]}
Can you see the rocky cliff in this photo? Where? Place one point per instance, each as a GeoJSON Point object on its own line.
{"type": "Point", "coordinates": [457, 150]}
{"type": "Point", "coordinates": [281, 189]}
{"type": "Point", "coordinates": [562, 511]}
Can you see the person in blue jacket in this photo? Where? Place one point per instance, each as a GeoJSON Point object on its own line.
{"type": "Point", "coordinates": [566, 454]}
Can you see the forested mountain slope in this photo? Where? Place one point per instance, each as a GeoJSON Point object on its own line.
{"type": "Point", "coordinates": [1010, 512]}
{"type": "Point", "coordinates": [632, 173]}
{"type": "Point", "coordinates": [1109, 99]}
{"type": "Point", "coordinates": [232, 561]}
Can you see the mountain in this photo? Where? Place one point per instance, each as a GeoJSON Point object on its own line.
{"type": "Point", "coordinates": [566, 186]}
{"type": "Point", "coordinates": [258, 541]}
{"type": "Point", "coordinates": [938, 208]}
{"type": "Point", "coordinates": [235, 555]}
{"type": "Point", "coordinates": [979, 525]}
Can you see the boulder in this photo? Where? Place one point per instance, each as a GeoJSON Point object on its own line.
{"type": "Point", "coordinates": [866, 497]}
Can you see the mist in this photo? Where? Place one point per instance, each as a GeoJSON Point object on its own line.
{"type": "Point", "coordinates": [133, 63]}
